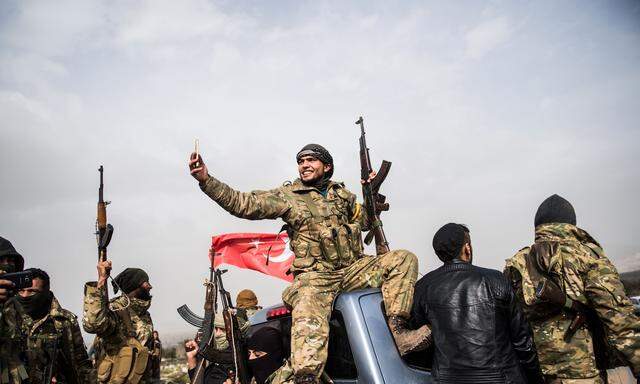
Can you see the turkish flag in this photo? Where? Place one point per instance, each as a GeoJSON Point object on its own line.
{"type": "Point", "coordinates": [264, 252]}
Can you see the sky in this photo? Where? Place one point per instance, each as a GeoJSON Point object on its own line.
{"type": "Point", "coordinates": [484, 108]}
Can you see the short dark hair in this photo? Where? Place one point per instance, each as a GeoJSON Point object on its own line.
{"type": "Point", "coordinates": [42, 275]}
{"type": "Point", "coordinates": [449, 241]}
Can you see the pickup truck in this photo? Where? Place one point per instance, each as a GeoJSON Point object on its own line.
{"type": "Point", "coordinates": [361, 347]}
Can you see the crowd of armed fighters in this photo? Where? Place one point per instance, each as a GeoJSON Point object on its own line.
{"type": "Point", "coordinates": [557, 313]}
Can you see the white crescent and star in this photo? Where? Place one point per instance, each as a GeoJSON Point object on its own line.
{"type": "Point", "coordinates": [272, 259]}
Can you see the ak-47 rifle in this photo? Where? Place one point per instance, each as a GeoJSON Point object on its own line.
{"type": "Point", "coordinates": [51, 347]}
{"type": "Point", "coordinates": [104, 231]}
{"type": "Point", "coordinates": [207, 350]}
{"type": "Point", "coordinates": [374, 202]}
{"type": "Point", "coordinates": [207, 332]}
{"type": "Point", "coordinates": [234, 334]}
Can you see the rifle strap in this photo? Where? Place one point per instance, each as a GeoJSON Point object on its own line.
{"type": "Point", "coordinates": [125, 316]}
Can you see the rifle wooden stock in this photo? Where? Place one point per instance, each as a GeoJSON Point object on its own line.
{"type": "Point", "coordinates": [104, 231]}
{"type": "Point", "coordinates": [374, 202]}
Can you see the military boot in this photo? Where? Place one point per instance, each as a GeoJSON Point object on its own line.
{"type": "Point", "coordinates": [408, 340]}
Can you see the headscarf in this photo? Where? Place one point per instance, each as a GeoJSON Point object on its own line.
{"type": "Point", "coordinates": [129, 280]}
{"type": "Point", "coordinates": [246, 299]}
{"type": "Point", "coordinates": [320, 153]}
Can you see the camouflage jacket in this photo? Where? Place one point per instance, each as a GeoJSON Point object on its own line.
{"type": "Point", "coordinates": [577, 263]}
{"type": "Point", "coordinates": [325, 232]}
{"type": "Point", "coordinates": [58, 332]}
{"type": "Point", "coordinates": [13, 342]}
{"type": "Point", "coordinates": [101, 318]}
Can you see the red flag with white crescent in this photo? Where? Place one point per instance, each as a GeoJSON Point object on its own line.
{"type": "Point", "coordinates": [263, 252]}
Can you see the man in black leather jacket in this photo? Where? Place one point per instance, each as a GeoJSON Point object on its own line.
{"type": "Point", "coordinates": [480, 334]}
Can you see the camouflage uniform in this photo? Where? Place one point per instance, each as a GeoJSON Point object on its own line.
{"type": "Point", "coordinates": [60, 328]}
{"type": "Point", "coordinates": [13, 324]}
{"type": "Point", "coordinates": [13, 342]}
{"type": "Point", "coordinates": [579, 266]}
{"type": "Point", "coordinates": [325, 235]}
{"type": "Point", "coordinates": [111, 331]}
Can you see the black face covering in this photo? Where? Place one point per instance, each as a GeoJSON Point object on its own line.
{"type": "Point", "coordinates": [266, 340]}
{"type": "Point", "coordinates": [38, 305]}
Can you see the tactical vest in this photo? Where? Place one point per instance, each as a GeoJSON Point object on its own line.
{"type": "Point", "coordinates": [127, 363]}
{"type": "Point", "coordinates": [324, 234]}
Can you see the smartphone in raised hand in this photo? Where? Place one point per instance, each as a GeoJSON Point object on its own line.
{"type": "Point", "coordinates": [196, 151]}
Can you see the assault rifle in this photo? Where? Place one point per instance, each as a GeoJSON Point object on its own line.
{"type": "Point", "coordinates": [207, 331]}
{"type": "Point", "coordinates": [51, 347]}
{"type": "Point", "coordinates": [374, 202]}
{"type": "Point", "coordinates": [550, 292]}
{"type": "Point", "coordinates": [104, 231]}
{"type": "Point", "coordinates": [234, 334]}
{"type": "Point", "coordinates": [207, 350]}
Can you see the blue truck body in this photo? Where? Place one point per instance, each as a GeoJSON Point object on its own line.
{"type": "Point", "coordinates": [361, 347]}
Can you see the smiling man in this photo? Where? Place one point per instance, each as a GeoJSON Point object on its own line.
{"type": "Point", "coordinates": [324, 223]}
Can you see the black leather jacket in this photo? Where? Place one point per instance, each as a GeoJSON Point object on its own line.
{"type": "Point", "coordinates": [480, 334]}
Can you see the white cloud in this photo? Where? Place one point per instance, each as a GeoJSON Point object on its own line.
{"type": "Point", "coordinates": [487, 36]}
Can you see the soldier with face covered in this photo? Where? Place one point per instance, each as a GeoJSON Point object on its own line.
{"type": "Point", "coordinates": [12, 320]}
{"type": "Point", "coordinates": [574, 261]}
{"type": "Point", "coordinates": [123, 326]}
{"type": "Point", "coordinates": [55, 348]}
{"type": "Point", "coordinates": [324, 224]}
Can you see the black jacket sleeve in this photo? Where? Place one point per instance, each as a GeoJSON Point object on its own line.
{"type": "Point", "coordinates": [522, 341]}
{"type": "Point", "coordinates": [419, 309]}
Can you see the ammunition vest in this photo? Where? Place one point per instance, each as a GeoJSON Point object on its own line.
{"type": "Point", "coordinates": [127, 363]}
{"type": "Point", "coordinates": [321, 234]}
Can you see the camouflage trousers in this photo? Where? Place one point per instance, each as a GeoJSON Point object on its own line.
{"type": "Point", "coordinates": [312, 293]}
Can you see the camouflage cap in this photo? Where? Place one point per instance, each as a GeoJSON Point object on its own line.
{"type": "Point", "coordinates": [7, 250]}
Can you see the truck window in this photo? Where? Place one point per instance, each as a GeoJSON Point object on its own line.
{"type": "Point", "coordinates": [340, 364]}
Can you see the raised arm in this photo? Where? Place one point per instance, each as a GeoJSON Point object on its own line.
{"type": "Point", "coordinates": [97, 317]}
{"type": "Point", "coordinates": [254, 205]}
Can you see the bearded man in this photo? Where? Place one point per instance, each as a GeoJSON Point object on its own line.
{"type": "Point", "coordinates": [324, 224]}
